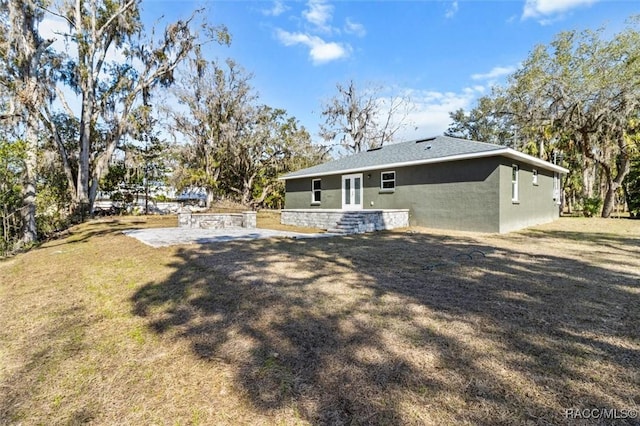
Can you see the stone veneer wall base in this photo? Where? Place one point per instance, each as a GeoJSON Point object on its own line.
{"type": "Point", "coordinates": [247, 219]}
{"type": "Point", "coordinates": [372, 220]}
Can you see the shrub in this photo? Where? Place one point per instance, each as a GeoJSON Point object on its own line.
{"type": "Point", "coordinates": [117, 196]}
{"type": "Point", "coordinates": [591, 206]}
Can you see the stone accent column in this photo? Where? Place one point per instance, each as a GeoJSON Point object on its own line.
{"type": "Point", "coordinates": [249, 219]}
{"type": "Point", "coordinates": [184, 218]}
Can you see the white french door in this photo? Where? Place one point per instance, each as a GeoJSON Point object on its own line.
{"type": "Point", "coordinates": [352, 192]}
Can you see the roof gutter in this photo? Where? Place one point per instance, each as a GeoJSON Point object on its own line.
{"type": "Point", "coordinates": [517, 155]}
{"type": "Point", "coordinates": [505, 152]}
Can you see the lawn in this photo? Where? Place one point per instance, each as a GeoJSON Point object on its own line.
{"type": "Point", "coordinates": [409, 327]}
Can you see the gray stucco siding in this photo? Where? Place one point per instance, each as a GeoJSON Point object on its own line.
{"type": "Point", "coordinates": [535, 203]}
{"type": "Point", "coordinates": [459, 195]}
{"type": "Point", "coordinates": [298, 193]}
{"type": "Point", "coordinates": [444, 182]}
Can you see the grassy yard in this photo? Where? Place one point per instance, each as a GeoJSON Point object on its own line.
{"type": "Point", "coordinates": [407, 327]}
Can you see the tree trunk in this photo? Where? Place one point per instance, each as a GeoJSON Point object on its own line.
{"type": "Point", "coordinates": [82, 187]}
{"type": "Point", "coordinates": [588, 178]}
{"type": "Point", "coordinates": [247, 190]}
{"type": "Point", "coordinates": [246, 195]}
{"type": "Point", "coordinates": [627, 198]}
{"type": "Point", "coordinates": [25, 51]}
{"type": "Point", "coordinates": [88, 74]}
{"type": "Point", "coordinates": [47, 119]}
{"type": "Point", "coordinates": [623, 167]}
{"type": "Point", "coordinates": [29, 227]}
{"type": "Point", "coordinates": [609, 199]}
{"type": "Point", "coordinates": [100, 171]}
{"type": "Point", "coordinates": [265, 191]}
{"type": "Point", "coordinates": [541, 149]}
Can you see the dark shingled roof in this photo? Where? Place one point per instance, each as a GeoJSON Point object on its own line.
{"type": "Point", "coordinates": [416, 151]}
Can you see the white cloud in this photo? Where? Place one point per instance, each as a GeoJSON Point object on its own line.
{"type": "Point", "coordinates": [545, 8]}
{"type": "Point", "coordinates": [277, 9]}
{"type": "Point", "coordinates": [495, 73]}
{"type": "Point", "coordinates": [351, 27]}
{"type": "Point", "coordinates": [319, 14]}
{"type": "Point", "coordinates": [320, 51]}
{"type": "Point", "coordinates": [430, 110]}
{"type": "Point", "coordinates": [451, 11]}
{"type": "Point", "coordinates": [55, 29]}
{"type": "Point", "coordinates": [317, 20]}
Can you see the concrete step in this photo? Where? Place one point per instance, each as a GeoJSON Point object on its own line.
{"type": "Point", "coordinates": [349, 223]}
{"type": "Point", "coordinates": [345, 230]}
{"type": "Point", "coordinates": [338, 231]}
{"type": "Point", "coordinates": [354, 221]}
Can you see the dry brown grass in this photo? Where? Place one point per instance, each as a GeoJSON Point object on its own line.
{"type": "Point", "coordinates": [270, 219]}
{"type": "Point", "coordinates": [384, 328]}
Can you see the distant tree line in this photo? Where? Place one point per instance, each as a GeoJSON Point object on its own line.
{"type": "Point", "coordinates": [89, 115]}
{"type": "Point", "coordinates": [234, 146]}
{"type": "Point", "coordinates": [71, 117]}
{"type": "Point", "coordinates": [574, 102]}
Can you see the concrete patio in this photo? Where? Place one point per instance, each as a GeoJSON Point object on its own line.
{"type": "Point", "coordinates": [163, 237]}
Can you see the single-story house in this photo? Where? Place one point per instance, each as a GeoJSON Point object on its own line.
{"type": "Point", "coordinates": [439, 182]}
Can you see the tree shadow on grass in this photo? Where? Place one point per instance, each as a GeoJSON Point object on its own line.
{"type": "Point", "coordinates": [611, 241]}
{"type": "Point", "coordinates": [84, 232]}
{"type": "Point", "coordinates": [358, 330]}
{"type": "Point", "coordinates": [53, 343]}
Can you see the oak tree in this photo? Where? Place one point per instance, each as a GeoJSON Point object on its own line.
{"type": "Point", "coordinates": [359, 120]}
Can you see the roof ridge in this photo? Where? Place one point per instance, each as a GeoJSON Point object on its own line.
{"type": "Point", "coordinates": [435, 138]}
{"type": "Point", "coordinates": [473, 141]}
{"type": "Point", "coordinates": [439, 148]}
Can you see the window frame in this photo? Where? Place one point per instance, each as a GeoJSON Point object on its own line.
{"type": "Point", "coordinates": [515, 183]}
{"type": "Point", "coordinates": [557, 187]}
{"type": "Point", "coordinates": [383, 181]}
{"type": "Point", "coordinates": [315, 191]}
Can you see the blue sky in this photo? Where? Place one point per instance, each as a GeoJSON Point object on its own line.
{"type": "Point", "coordinates": [444, 54]}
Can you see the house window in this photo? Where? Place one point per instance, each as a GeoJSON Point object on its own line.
{"type": "Point", "coordinates": [514, 183]}
{"type": "Point", "coordinates": [556, 187]}
{"type": "Point", "coordinates": [388, 181]}
{"type": "Point", "coordinates": [534, 173]}
{"type": "Point", "coordinates": [316, 191]}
